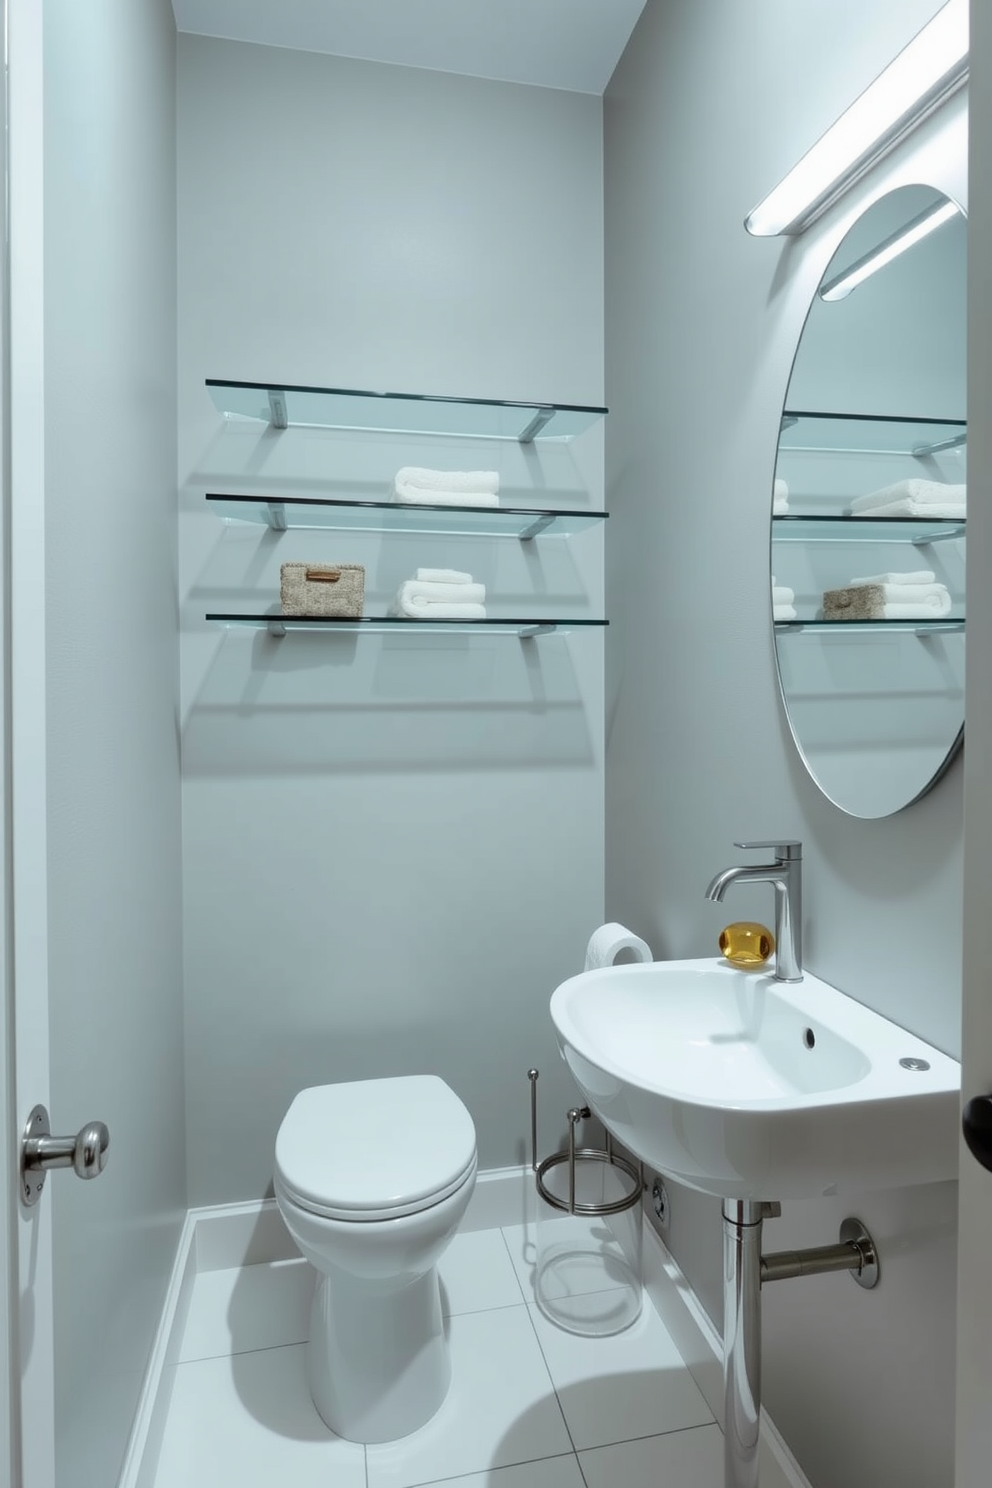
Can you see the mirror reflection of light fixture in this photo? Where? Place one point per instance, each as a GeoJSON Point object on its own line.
{"type": "Point", "coordinates": [925, 73]}
{"type": "Point", "coordinates": [921, 227]}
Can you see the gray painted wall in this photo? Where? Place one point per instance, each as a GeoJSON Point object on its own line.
{"type": "Point", "coordinates": [393, 848]}
{"type": "Point", "coordinates": [708, 109]}
{"type": "Point", "coordinates": [114, 854]}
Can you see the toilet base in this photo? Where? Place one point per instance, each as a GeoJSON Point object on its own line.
{"type": "Point", "coordinates": [377, 1360]}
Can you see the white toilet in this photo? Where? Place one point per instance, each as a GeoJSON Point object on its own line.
{"type": "Point", "coordinates": [372, 1180]}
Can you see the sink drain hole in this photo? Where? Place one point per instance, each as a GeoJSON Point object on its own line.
{"type": "Point", "coordinates": [809, 1038]}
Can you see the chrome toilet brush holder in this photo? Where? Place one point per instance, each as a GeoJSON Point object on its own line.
{"type": "Point", "coordinates": [588, 1243]}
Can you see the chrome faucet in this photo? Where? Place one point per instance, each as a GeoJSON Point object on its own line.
{"type": "Point", "coordinates": [786, 877]}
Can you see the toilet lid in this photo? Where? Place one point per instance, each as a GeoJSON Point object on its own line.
{"type": "Point", "coordinates": [374, 1149]}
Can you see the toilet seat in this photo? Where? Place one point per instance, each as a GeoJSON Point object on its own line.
{"type": "Point", "coordinates": [372, 1150]}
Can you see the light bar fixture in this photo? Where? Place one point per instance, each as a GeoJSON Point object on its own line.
{"type": "Point", "coordinates": [925, 73]}
{"type": "Point", "coordinates": [920, 227]}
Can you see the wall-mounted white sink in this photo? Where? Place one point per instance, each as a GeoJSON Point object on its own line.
{"type": "Point", "coordinates": [750, 1088]}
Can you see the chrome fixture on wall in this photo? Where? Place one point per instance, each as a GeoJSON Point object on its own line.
{"type": "Point", "coordinates": [745, 1271]}
{"type": "Point", "coordinates": [925, 73]}
{"type": "Point", "coordinates": [785, 876]}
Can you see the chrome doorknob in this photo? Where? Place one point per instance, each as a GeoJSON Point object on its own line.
{"type": "Point", "coordinates": [85, 1153]}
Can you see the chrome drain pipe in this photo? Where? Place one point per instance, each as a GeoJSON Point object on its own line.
{"type": "Point", "coordinates": [744, 1272]}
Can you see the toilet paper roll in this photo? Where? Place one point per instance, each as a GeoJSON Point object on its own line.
{"type": "Point", "coordinates": [612, 942]}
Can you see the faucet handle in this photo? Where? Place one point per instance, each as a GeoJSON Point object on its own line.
{"type": "Point", "coordinates": [788, 851]}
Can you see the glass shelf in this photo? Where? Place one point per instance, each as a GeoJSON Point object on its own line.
{"type": "Point", "coordinates": [864, 433]}
{"type": "Point", "coordinates": [866, 627]}
{"type": "Point", "coordinates": [282, 405]}
{"type": "Point", "coordinates": [846, 528]}
{"type": "Point", "coordinates": [278, 625]}
{"type": "Point", "coordinates": [395, 516]}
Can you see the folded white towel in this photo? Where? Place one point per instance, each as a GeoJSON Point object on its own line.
{"type": "Point", "coordinates": [783, 612]}
{"type": "Point", "coordinates": [782, 594]}
{"type": "Point", "coordinates": [916, 611]}
{"type": "Point", "coordinates": [481, 482]}
{"type": "Point", "coordinates": [421, 592]}
{"type": "Point", "coordinates": [421, 496]}
{"type": "Point", "coordinates": [926, 492]}
{"type": "Point", "coordinates": [933, 596]}
{"type": "Point", "coordinates": [928, 510]}
{"type": "Point", "coordinates": [438, 611]}
{"type": "Point", "coordinates": [780, 490]}
{"type": "Point", "coordinates": [448, 576]}
{"type": "Point", "coordinates": [780, 508]}
{"type": "Point", "coordinates": [914, 576]}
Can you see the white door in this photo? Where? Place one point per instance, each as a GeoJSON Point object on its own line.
{"type": "Point", "coordinates": [95, 967]}
{"type": "Point", "coordinates": [34, 1419]}
{"type": "Point", "coordinates": [974, 1371]}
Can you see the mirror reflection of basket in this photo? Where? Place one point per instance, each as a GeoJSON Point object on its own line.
{"type": "Point", "coordinates": [588, 1233]}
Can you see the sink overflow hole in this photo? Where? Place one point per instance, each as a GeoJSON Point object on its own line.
{"type": "Point", "coordinates": [809, 1038]}
{"type": "Point", "coordinates": [915, 1064]}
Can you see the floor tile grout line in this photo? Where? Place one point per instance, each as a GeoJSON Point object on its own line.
{"type": "Point", "coordinates": [509, 1252]}
{"type": "Point", "coordinates": [641, 1436]}
{"type": "Point", "coordinates": [486, 1472]}
{"type": "Point", "coordinates": [262, 1348]}
{"type": "Point", "coordinates": [561, 1408]}
{"type": "Point", "coordinates": [478, 1311]}
{"type": "Point", "coordinates": [624, 1441]}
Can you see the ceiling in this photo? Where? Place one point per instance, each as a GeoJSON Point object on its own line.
{"type": "Point", "coordinates": [570, 44]}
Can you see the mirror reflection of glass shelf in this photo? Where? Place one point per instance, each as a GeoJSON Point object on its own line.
{"type": "Point", "coordinates": [949, 624]}
{"type": "Point", "coordinates": [283, 405]}
{"type": "Point", "coordinates": [394, 516]}
{"type": "Point", "coordinates": [845, 528]}
{"type": "Point", "coordinates": [279, 625]}
{"type": "Point", "coordinates": [865, 433]}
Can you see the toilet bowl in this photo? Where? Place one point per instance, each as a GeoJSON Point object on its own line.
{"type": "Point", "coordinates": [372, 1179]}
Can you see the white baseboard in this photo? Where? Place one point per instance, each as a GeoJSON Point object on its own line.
{"type": "Point", "coordinates": [148, 1427]}
{"type": "Point", "coordinates": [252, 1233]}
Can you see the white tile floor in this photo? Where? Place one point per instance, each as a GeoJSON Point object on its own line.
{"type": "Point", "coordinates": [530, 1406]}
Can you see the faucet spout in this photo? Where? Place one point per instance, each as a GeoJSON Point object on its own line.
{"type": "Point", "coordinates": [745, 873]}
{"type": "Point", "coordinates": [785, 877]}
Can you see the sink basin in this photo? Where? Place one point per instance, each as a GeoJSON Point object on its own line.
{"type": "Point", "coordinates": [739, 1085]}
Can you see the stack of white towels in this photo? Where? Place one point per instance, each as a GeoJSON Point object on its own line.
{"type": "Point", "coordinates": [889, 596]}
{"type": "Point", "coordinates": [783, 601]}
{"type": "Point", "coordinates": [422, 487]}
{"type": "Point", "coordinates": [441, 594]}
{"type": "Point", "coordinates": [913, 498]}
{"type": "Point", "coordinates": [780, 498]}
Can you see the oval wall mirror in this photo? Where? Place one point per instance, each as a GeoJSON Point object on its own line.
{"type": "Point", "coordinates": [868, 511]}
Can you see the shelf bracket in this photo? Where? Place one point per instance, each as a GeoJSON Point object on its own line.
{"type": "Point", "coordinates": [925, 539]}
{"type": "Point", "coordinates": [536, 630]}
{"type": "Point", "coordinates": [542, 416]}
{"type": "Point", "coordinates": [278, 417]}
{"type": "Point", "coordinates": [536, 528]}
{"type": "Point", "coordinates": [920, 451]}
{"type": "Point", "coordinates": [277, 516]}
{"type": "Point", "coordinates": [276, 629]}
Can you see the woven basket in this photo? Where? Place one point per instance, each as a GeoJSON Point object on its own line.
{"type": "Point", "coordinates": [329, 589]}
